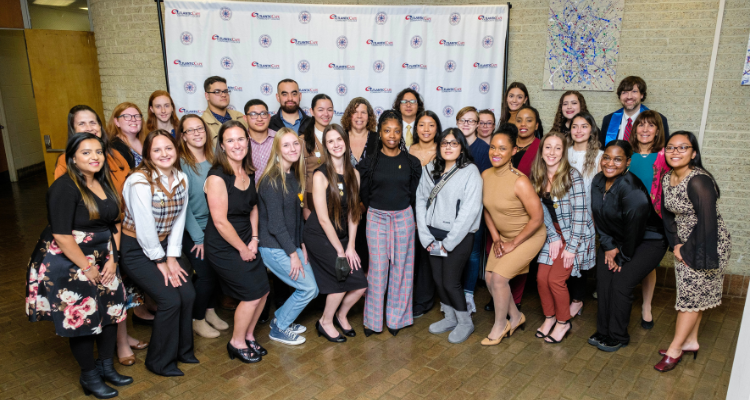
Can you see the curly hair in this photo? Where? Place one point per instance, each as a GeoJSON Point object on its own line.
{"type": "Point", "coordinates": [559, 124]}
{"type": "Point", "coordinates": [346, 119]}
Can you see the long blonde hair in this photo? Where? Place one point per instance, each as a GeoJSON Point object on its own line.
{"type": "Point", "coordinates": [561, 182]}
{"type": "Point", "coordinates": [274, 171]}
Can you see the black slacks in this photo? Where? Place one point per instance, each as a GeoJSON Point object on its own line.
{"type": "Point", "coordinates": [172, 334]}
{"type": "Point", "coordinates": [448, 273]}
{"type": "Point", "coordinates": [615, 289]}
{"type": "Point", "coordinates": [424, 285]}
{"type": "Point", "coordinates": [205, 282]}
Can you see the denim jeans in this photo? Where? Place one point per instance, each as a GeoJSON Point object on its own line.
{"type": "Point", "coordinates": [305, 289]}
{"type": "Point", "coordinates": [471, 272]}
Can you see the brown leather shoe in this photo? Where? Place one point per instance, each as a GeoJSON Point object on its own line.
{"type": "Point", "coordinates": [127, 361]}
{"type": "Point", "coordinates": [140, 346]}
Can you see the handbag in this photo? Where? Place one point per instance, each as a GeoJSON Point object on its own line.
{"type": "Point", "coordinates": [342, 269]}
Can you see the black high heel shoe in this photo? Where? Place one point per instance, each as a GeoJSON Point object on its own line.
{"type": "Point", "coordinates": [393, 332]}
{"type": "Point", "coordinates": [247, 356]}
{"type": "Point", "coordinates": [369, 332]}
{"type": "Point", "coordinates": [347, 332]}
{"type": "Point", "coordinates": [552, 340]}
{"type": "Point", "coordinates": [542, 335]}
{"type": "Point", "coordinates": [322, 332]}
{"type": "Point", "coordinates": [257, 347]}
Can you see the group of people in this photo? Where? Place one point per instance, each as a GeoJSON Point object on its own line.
{"type": "Point", "coordinates": [164, 218]}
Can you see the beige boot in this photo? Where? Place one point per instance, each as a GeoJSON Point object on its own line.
{"type": "Point", "coordinates": [215, 321]}
{"type": "Point", "coordinates": [202, 328]}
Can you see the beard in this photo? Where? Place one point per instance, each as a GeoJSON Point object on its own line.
{"type": "Point", "coordinates": [290, 109]}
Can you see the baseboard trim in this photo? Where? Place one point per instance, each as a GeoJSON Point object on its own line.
{"type": "Point", "coordinates": [30, 170]}
{"type": "Point", "coordinates": [735, 285]}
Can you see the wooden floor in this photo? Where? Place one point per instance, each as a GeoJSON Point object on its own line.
{"type": "Point", "coordinates": [34, 363]}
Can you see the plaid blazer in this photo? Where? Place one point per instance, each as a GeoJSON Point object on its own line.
{"type": "Point", "coordinates": [576, 225]}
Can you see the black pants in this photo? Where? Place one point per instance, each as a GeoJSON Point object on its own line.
{"type": "Point", "coordinates": [615, 289]}
{"type": "Point", "coordinates": [577, 286]}
{"type": "Point", "coordinates": [424, 285]}
{"type": "Point", "coordinates": [448, 274]}
{"type": "Point", "coordinates": [83, 347]}
{"type": "Point", "coordinates": [172, 335]}
{"type": "Point", "coordinates": [205, 281]}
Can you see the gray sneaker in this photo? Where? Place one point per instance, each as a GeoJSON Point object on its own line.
{"type": "Point", "coordinates": [296, 328]}
{"type": "Point", "coordinates": [287, 336]}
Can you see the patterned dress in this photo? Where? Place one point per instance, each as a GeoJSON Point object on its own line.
{"type": "Point", "coordinates": [699, 227]}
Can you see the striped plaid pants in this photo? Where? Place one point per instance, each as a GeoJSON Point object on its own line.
{"type": "Point", "coordinates": [390, 240]}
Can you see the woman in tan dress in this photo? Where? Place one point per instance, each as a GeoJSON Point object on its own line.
{"type": "Point", "coordinates": [515, 219]}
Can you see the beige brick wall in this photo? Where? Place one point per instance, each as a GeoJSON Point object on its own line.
{"type": "Point", "coordinates": [667, 42]}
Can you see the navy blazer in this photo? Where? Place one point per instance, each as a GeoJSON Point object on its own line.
{"type": "Point", "coordinates": [605, 126]}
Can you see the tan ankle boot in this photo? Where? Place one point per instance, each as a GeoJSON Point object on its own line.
{"type": "Point", "coordinates": [202, 328]}
{"type": "Point", "coordinates": [215, 321]}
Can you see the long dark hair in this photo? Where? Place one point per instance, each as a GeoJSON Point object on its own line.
{"type": "Point", "coordinates": [426, 113]}
{"type": "Point", "coordinates": [697, 162]}
{"type": "Point", "coordinates": [592, 146]}
{"type": "Point", "coordinates": [310, 131]}
{"type": "Point", "coordinates": [350, 181]}
{"type": "Point", "coordinates": [147, 167]}
{"type": "Point", "coordinates": [463, 159]}
{"type": "Point", "coordinates": [539, 132]}
{"type": "Point", "coordinates": [220, 156]}
{"type": "Point", "coordinates": [105, 137]}
{"type": "Point", "coordinates": [559, 124]}
{"type": "Point", "coordinates": [103, 176]}
{"type": "Point", "coordinates": [505, 110]}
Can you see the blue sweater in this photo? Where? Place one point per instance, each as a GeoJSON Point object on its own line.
{"type": "Point", "coordinates": [197, 215]}
{"type": "Point", "coordinates": [480, 151]}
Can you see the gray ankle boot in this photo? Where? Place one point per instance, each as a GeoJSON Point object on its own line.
{"type": "Point", "coordinates": [446, 324]}
{"type": "Point", "coordinates": [464, 328]}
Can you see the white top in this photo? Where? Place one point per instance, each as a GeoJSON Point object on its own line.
{"type": "Point", "coordinates": [319, 135]}
{"type": "Point", "coordinates": [138, 198]}
{"type": "Point", "coordinates": [576, 160]}
{"type": "Point", "coordinates": [624, 123]}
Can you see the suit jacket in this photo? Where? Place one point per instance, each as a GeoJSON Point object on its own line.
{"type": "Point", "coordinates": [213, 124]}
{"type": "Point", "coordinates": [608, 119]}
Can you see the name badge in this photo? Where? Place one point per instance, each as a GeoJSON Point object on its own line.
{"type": "Point", "coordinates": [317, 154]}
{"type": "Point", "coordinates": [341, 186]}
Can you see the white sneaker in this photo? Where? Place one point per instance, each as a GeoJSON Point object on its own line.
{"type": "Point", "coordinates": [470, 306]}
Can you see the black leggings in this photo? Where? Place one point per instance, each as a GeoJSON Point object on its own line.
{"type": "Point", "coordinates": [205, 281]}
{"type": "Point", "coordinates": [577, 286]}
{"type": "Point", "coordinates": [448, 274]}
{"type": "Point", "coordinates": [83, 347]}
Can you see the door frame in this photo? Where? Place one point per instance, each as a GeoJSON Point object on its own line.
{"type": "Point", "coordinates": [7, 144]}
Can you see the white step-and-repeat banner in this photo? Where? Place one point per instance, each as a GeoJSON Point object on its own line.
{"type": "Point", "coordinates": [453, 56]}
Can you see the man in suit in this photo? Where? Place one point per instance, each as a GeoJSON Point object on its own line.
{"type": "Point", "coordinates": [619, 124]}
{"type": "Point", "coordinates": [218, 111]}
{"type": "Point", "coordinates": [289, 115]}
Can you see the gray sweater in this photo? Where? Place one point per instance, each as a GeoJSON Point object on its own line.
{"type": "Point", "coordinates": [465, 186]}
{"type": "Point", "coordinates": [280, 215]}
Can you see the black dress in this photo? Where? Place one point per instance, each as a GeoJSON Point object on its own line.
{"type": "Point", "coordinates": [244, 281]}
{"type": "Point", "coordinates": [323, 255]}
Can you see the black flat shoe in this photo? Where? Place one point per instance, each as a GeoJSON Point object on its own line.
{"type": "Point", "coordinates": [490, 306]}
{"type": "Point", "coordinates": [106, 369]}
{"type": "Point", "coordinates": [347, 332]}
{"type": "Point", "coordinates": [188, 360]}
{"type": "Point", "coordinates": [92, 383]}
{"type": "Point", "coordinates": [393, 332]}
{"type": "Point", "coordinates": [140, 321]}
{"type": "Point", "coordinates": [322, 332]}
{"type": "Point", "coordinates": [257, 347]}
{"type": "Point", "coordinates": [647, 324]}
{"type": "Point", "coordinates": [369, 332]}
{"type": "Point", "coordinates": [247, 356]}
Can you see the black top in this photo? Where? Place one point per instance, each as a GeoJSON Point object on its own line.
{"type": "Point", "coordinates": [480, 152]}
{"type": "Point", "coordinates": [367, 191]}
{"type": "Point", "coordinates": [124, 150]}
{"type": "Point", "coordinates": [371, 146]}
{"type": "Point", "coordinates": [391, 183]}
{"type": "Point", "coordinates": [240, 204]}
{"type": "Point", "coordinates": [313, 222]}
{"type": "Point", "coordinates": [67, 212]}
{"type": "Point", "coordinates": [700, 251]}
{"type": "Point", "coordinates": [516, 159]}
{"type": "Point", "coordinates": [623, 215]}
{"type": "Point", "coordinates": [280, 215]}
{"type": "Point", "coordinates": [547, 202]}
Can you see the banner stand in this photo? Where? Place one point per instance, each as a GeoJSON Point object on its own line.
{"type": "Point", "coordinates": [164, 45]}
{"type": "Point", "coordinates": [505, 67]}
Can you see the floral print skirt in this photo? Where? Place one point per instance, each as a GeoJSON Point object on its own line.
{"type": "Point", "coordinates": [58, 291]}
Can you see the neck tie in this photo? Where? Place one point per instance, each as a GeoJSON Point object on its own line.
{"type": "Point", "coordinates": [628, 127]}
{"type": "Point", "coordinates": [408, 138]}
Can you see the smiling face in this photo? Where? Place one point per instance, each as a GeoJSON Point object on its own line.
{"type": "Point", "coordinates": [163, 153]}
{"type": "Point", "coordinates": [288, 97]}
{"type": "Point", "coordinates": [552, 152]}
{"type": "Point", "coordinates": [234, 143]}
{"type": "Point", "coordinates": [570, 106]}
{"type": "Point", "coordinates": [501, 151]}
{"type": "Point", "coordinates": [85, 121]}
{"type": "Point", "coordinates": [132, 127]}
{"type": "Point", "coordinates": [390, 134]}
{"type": "Point", "coordinates": [323, 113]}
{"type": "Point", "coordinates": [468, 123]}
{"type": "Point", "coordinates": [450, 149]}
{"type": "Point", "coordinates": [162, 108]}
{"type": "Point", "coordinates": [526, 123]}
{"type": "Point", "coordinates": [580, 130]}
{"type": "Point", "coordinates": [631, 99]}
{"type": "Point", "coordinates": [194, 134]}
{"type": "Point", "coordinates": [486, 126]}
{"type": "Point", "coordinates": [89, 157]}
{"type": "Point", "coordinates": [290, 148]}
{"type": "Point", "coordinates": [360, 118]}
{"type": "Point", "coordinates": [426, 129]}
{"type": "Point", "coordinates": [335, 143]}
{"type": "Point", "coordinates": [614, 161]}
{"type": "Point", "coordinates": [259, 123]}
{"type": "Point", "coordinates": [675, 159]}
{"type": "Point", "coordinates": [516, 98]}
{"type": "Point", "coordinates": [409, 109]}
{"type": "Point", "coordinates": [645, 132]}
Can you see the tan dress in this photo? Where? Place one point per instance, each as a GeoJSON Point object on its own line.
{"type": "Point", "coordinates": [510, 217]}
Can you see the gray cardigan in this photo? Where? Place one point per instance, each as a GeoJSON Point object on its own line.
{"type": "Point", "coordinates": [465, 186]}
{"type": "Point", "coordinates": [280, 215]}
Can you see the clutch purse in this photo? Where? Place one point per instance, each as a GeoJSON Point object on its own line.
{"type": "Point", "coordinates": [342, 269]}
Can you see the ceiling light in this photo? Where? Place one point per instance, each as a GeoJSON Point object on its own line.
{"type": "Point", "coordinates": [54, 3]}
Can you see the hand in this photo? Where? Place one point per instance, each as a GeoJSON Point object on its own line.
{"type": "Point", "coordinates": [304, 253]}
{"type": "Point", "coordinates": [609, 260]}
{"type": "Point", "coordinates": [93, 275]}
{"type": "Point", "coordinates": [253, 246]}
{"type": "Point", "coordinates": [507, 247]}
{"type": "Point", "coordinates": [353, 258]}
{"type": "Point", "coordinates": [164, 271]}
{"type": "Point", "coordinates": [109, 271]}
{"type": "Point", "coordinates": [554, 249]}
{"type": "Point", "coordinates": [678, 255]}
{"type": "Point", "coordinates": [176, 272]}
{"type": "Point", "coordinates": [497, 246]}
{"type": "Point", "coordinates": [199, 251]}
{"type": "Point", "coordinates": [246, 254]}
{"type": "Point", "coordinates": [429, 248]}
{"type": "Point", "coordinates": [568, 259]}
{"type": "Point", "coordinates": [296, 267]}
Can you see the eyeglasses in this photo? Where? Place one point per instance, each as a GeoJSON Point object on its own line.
{"type": "Point", "coordinates": [408, 102]}
{"type": "Point", "coordinates": [679, 149]}
{"type": "Point", "coordinates": [616, 160]}
{"type": "Point", "coordinates": [255, 115]}
{"type": "Point", "coordinates": [486, 124]}
{"type": "Point", "coordinates": [128, 117]}
{"type": "Point", "coordinates": [454, 144]}
{"type": "Point", "coordinates": [195, 131]}
{"type": "Point", "coordinates": [467, 122]}
{"type": "Point", "coordinates": [220, 92]}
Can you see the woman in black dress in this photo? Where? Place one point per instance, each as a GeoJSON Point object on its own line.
{"type": "Point", "coordinates": [72, 277]}
{"type": "Point", "coordinates": [231, 240]}
{"type": "Point", "coordinates": [333, 224]}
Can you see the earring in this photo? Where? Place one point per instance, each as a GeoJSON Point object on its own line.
{"type": "Point", "coordinates": [277, 159]}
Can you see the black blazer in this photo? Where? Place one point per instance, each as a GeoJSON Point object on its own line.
{"type": "Point", "coordinates": [605, 126]}
{"type": "Point", "coordinates": [276, 122]}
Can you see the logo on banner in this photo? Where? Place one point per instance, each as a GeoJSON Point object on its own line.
{"type": "Point", "coordinates": [234, 88]}
{"type": "Point", "coordinates": [413, 66]}
{"type": "Point", "coordinates": [342, 42]}
{"type": "Point", "coordinates": [308, 90]}
{"type": "Point", "coordinates": [337, 113]}
{"type": "Point", "coordinates": [189, 87]}
{"type": "Point", "coordinates": [484, 66]}
{"type": "Point", "coordinates": [183, 110]}
{"type": "Point", "coordinates": [307, 111]}
{"type": "Point", "coordinates": [225, 39]}
{"type": "Point", "coordinates": [185, 13]}
{"type": "Point", "coordinates": [444, 42]}
{"type": "Point", "coordinates": [338, 67]}
{"type": "Point", "coordinates": [382, 43]}
{"type": "Point", "coordinates": [378, 90]}
{"type": "Point", "coordinates": [266, 89]}
{"type": "Point", "coordinates": [378, 112]}
{"type": "Point", "coordinates": [186, 37]}
{"type": "Point", "coordinates": [416, 42]}
{"type": "Point", "coordinates": [381, 18]}
{"type": "Point", "coordinates": [418, 18]}
{"type": "Point", "coordinates": [264, 66]}
{"type": "Point", "coordinates": [266, 17]}
{"type": "Point", "coordinates": [414, 86]}
{"type": "Point", "coordinates": [378, 66]}
{"type": "Point", "coordinates": [450, 66]}
{"type": "Point", "coordinates": [490, 18]}
{"type": "Point", "coordinates": [488, 41]}
{"type": "Point", "coordinates": [304, 17]}
{"type": "Point", "coordinates": [303, 66]}
{"type": "Point", "coordinates": [227, 63]}
{"type": "Point", "coordinates": [188, 63]}
{"type": "Point", "coordinates": [341, 89]}
{"type": "Point", "coordinates": [484, 87]}
{"type": "Point", "coordinates": [303, 42]}
{"type": "Point", "coordinates": [342, 18]}
{"type": "Point", "coordinates": [448, 111]}
{"type": "Point", "coordinates": [448, 90]}
{"type": "Point", "coordinates": [264, 41]}
{"type": "Point", "coordinates": [231, 107]}
{"type": "Point", "coordinates": [225, 13]}
{"type": "Point", "coordinates": [455, 18]}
